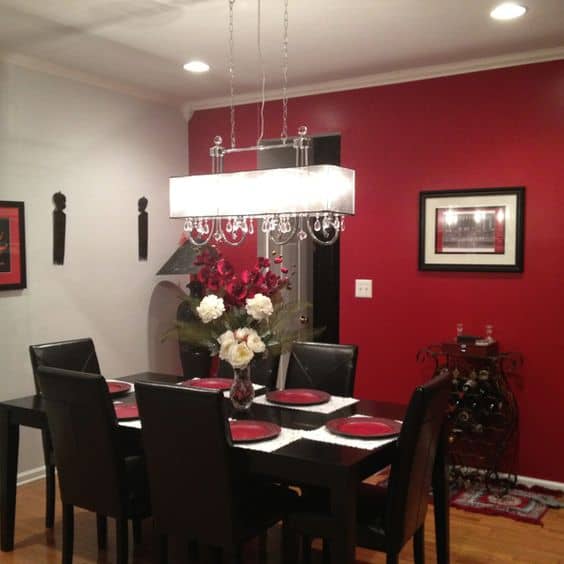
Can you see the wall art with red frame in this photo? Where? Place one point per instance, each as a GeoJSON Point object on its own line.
{"type": "Point", "coordinates": [12, 246]}
{"type": "Point", "coordinates": [479, 229]}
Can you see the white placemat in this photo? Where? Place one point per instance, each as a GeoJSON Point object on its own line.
{"type": "Point", "coordinates": [285, 437]}
{"type": "Point", "coordinates": [325, 436]}
{"type": "Point", "coordinates": [334, 404]}
{"type": "Point", "coordinates": [136, 423]}
{"type": "Point", "coordinates": [256, 387]}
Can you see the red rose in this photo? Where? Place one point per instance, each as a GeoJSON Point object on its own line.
{"type": "Point", "coordinates": [224, 268]}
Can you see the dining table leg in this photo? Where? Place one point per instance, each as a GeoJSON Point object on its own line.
{"type": "Point", "coordinates": [9, 445]}
{"type": "Point", "coordinates": [441, 501]}
{"type": "Point", "coordinates": [343, 509]}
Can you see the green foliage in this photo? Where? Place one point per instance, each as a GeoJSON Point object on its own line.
{"type": "Point", "coordinates": [278, 331]}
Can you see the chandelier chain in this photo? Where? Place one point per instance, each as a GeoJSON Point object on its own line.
{"type": "Point", "coordinates": [262, 72]}
{"type": "Point", "coordinates": [284, 133]}
{"type": "Point", "coordinates": [231, 75]}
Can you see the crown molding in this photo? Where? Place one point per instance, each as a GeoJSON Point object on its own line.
{"type": "Point", "coordinates": [394, 77]}
{"type": "Point", "coordinates": [35, 64]}
{"type": "Point", "coordinates": [187, 111]}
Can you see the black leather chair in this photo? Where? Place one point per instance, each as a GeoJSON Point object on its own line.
{"type": "Point", "coordinates": [388, 517]}
{"type": "Point", "coordinates": [264, 370]}
{"type": "Point", "coordinates": [77, 354]}
{"type": "Point", "coordinates": [191, 464]}
{"type": "Point", "coordinates": [322, 366]}
{"type": "Point", "coordinates": [92, 472]}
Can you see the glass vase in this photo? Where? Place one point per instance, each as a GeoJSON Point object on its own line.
{"type": "Point", "coordinates": [242, 392]}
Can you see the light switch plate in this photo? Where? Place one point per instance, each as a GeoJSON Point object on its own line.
{"type": "Point", "coordinates": [363, 288]}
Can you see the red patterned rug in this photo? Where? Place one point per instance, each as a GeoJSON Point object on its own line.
{"type": "Point", "coordinates": [520, 503]}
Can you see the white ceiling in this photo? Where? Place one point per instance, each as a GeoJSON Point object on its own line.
{"type": "Point", "coordinates": [140, 45]}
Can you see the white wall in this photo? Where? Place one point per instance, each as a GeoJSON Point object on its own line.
{"type": "Point", "coordinates": [104, 150]}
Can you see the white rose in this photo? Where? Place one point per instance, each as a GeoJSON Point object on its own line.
{"type": "Point", "coordinates": [255, 343]}
{"type": "Point", "coordinates": [240, 355]}
{"type": "Point", "coordinates": [259, 307]}
{"type": "Point", "coordinates": [211, 307]}
{"type": "Point", "coordinates": [225, 340]}
{"type": "Point", "coordinates": [243, 333]}
{"type": "Point", "coordinates": [224, 350]}
{"type": "Point", "coordinates": [227, 337]}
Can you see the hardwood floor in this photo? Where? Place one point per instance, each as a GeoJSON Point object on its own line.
{"type": "Point", "coordinates": [475, 539]}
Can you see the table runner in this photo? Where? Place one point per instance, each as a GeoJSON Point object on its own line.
{"type": "Point", "coordinates": [334, 404]}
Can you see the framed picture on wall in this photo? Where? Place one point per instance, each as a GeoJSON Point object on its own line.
{"type": "Point", "coordinates": [12, 246]}
{"type": "Point", "coordinates": [479, 229]}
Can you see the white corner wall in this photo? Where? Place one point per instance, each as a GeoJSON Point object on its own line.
{"type": "Point", "coordinates": [104, 150]}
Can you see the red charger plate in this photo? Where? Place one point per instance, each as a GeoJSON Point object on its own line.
{"type": "Point", "coordinates": [249, 430]}
{"type": "Point", "coordinates": [208, 383]}
{"type": "Point", "coordinates": [364, 427]}
{"type": "Point", "coordinates": [117, 388]}
{"type": "Point", "coordinates": [126, 411]}
{"type": "Point", "coordinates": [298, 396]}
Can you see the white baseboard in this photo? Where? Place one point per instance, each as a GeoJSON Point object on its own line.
{"type": "Point", "coordinates": [549, 484]}
{"type": "Point", "coordinates": [31, 475]}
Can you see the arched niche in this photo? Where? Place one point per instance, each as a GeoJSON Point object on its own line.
{"type": "Point", "coordinates": [163, 354]}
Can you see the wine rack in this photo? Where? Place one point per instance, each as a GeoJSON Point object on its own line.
{"type": "Point", "coordinates": [482, 416]}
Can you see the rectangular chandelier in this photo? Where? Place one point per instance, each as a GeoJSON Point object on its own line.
{"type": "Point", "coordinates": [307, 190]}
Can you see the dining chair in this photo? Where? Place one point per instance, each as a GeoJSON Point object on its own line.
{"type": "Point", "coordinates": [264, 370]}
{"type": "Point", "coordinates": [76, 354]}
{"type": "Point", "coordinates": [93, 473]}
{"type": "Point", "coordinates": [322, 366]}
{"type": "Point", "coordinates": [388, 517]}
{"type": "Point", "coordinates": [199, 490]}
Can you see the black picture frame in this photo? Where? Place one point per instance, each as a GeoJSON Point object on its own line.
{"type": "Point", "coordinates": [12, 246]}
{"type": "Point", "coordinates": [472, 230]}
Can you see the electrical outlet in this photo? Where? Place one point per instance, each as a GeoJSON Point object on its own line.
{"type": "Point", "coordinates": [363, 288]}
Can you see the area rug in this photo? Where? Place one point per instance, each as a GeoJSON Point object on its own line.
{"type": "Point", "coordinates": [520, 503]}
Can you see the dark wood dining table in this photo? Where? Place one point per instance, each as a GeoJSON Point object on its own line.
{"type": "Point", "coordinates": [338, 468]}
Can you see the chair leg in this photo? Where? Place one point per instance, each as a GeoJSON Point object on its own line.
{"type": "Point", "coordinates": [306, 548]}
{"type": "Point", "coordinates": [233, 557]}
{"type": "Point", "coordinates": [290, 545]}
{"type": "Point", "coordinates": [163, 549]}
{"type": "Point", "coordinates": [102, 531]}
{"type": "Point", "coordinates": [193, 551]}
{"type": "Point", "coordinates": [211, 555]}
{"type": "Point", "coordinates": [263, 539]}
{"type": "Point", "coordinates": [68, 533]}
{"type": "Point", "coordinates": [121, 540]}
{"type": "Point", "coordinates": [136, 526]}
{"type": "Point", "coordinates": [49, 481]}
{"type": "Point", "coordinates": [392, 558]}
{"type": "Point", "coordinates": [419, 546]}
{"type": "Point", "coordinates": [326, 551]}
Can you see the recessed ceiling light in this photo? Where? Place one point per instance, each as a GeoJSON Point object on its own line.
{"type": "Point", "coordinates": [196, 66]}
{"type": "Point", "coordinates": [508, 11]}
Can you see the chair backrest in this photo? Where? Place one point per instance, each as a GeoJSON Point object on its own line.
{"type": "Point", "coordinates": [187, 452]}
{"type": "Point", "coordinates": [323, 366]}
{"type": "Point", "coordinates": [77, 354]}
{"type": "Point", "coordinates": [412, 468]}
{"type": "Point", "coordinates": [84, 431]}
{"type": "Point", "coordinates": [264, 370]}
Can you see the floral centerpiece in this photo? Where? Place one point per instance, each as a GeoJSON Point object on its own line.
{"type": "Point", "coordinates": [239, 315]}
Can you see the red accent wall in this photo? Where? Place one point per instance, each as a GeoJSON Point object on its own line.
{"type": "Point", "coordinates": [495, 128]}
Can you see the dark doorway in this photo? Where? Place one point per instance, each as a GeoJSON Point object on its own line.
{"type": "Point", "coordinates": [323, 262]}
